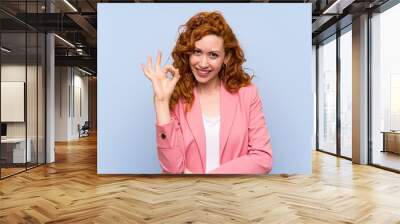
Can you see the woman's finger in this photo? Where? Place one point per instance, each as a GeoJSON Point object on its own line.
{"type": "Point", "coordinates": [158, 63]}
{"type": "Point", "coordinates": [145, 71]}
{"type": "Point", "coordinates": [170, 68]}
{"type": "Point", "coordinates": [149, 64]}
{"type": "Point", "coordinates": [177, 76]}
{"type": "Point", "coordinates": [174, 71]}
{"type": "Point", "coordinates": [165, 70]}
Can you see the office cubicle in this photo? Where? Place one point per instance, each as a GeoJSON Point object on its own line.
{"type": "Point", "coordinates": [22, 101]}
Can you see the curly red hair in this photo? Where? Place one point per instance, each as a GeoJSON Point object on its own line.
{"type": "Point", "coordinates": [232, 74]}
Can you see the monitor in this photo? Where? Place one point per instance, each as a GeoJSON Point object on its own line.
{"type": "Point", "coordinates": [3, 129]}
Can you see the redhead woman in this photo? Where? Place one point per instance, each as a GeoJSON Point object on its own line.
{"type": "Point", "coordinates": [209, 114]}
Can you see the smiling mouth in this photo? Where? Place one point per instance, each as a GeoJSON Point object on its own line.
{"type": "Point", "coordinates": [203, 72]}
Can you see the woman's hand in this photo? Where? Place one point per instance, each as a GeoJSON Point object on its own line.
{"type": "Point", "coordinates": [162, 85]}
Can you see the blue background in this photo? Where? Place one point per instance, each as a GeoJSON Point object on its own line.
{"type": "Point", "coordinates": [276, 39]}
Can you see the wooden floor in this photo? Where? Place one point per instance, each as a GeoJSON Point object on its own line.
{"type": "Point", "coordinates": [70, 191]}
{"type": "Point", "coordinates": [388, 159]}
{"type": "Point", "coordinates": [5, 172]}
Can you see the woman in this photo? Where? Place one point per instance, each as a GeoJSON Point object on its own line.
{"type": "Point", "coordinates": [209, 115]}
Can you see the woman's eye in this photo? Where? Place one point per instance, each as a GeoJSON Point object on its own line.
{"type": "Point", "coordinates": [196, 52]}
{"type": "Point", "coordinates": [213, 55]}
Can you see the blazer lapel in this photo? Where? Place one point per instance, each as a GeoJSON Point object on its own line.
{"type": "Point", "coordinates": [194, 118]}
{"type": "Point", "coordinates": [228, 104]}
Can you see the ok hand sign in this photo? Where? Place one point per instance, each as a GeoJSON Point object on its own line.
{"type": "Point", "coordinates": [162, 85]}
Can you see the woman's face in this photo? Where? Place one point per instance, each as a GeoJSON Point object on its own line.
{"type": "Point", "coordinates": [207, 58]}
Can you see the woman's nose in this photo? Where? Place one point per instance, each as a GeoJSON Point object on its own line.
{"type": "Point", "coordinates": [203, 62]}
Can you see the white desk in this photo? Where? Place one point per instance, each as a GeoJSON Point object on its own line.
{"type": "Point", "coordinates": [19, 149]}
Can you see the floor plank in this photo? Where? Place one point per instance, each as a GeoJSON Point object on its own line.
{"type": "Point", "coordinates": [70, 191]}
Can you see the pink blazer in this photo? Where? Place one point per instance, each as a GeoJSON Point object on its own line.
{"type": "Point", "coordinates": [245, 146]}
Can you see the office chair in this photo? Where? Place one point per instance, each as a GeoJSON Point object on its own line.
{"type": "Point", "coordinates": [84, 130]}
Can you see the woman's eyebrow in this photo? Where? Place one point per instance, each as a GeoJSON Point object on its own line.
{"type": "Point", "coordinates": [212, 51]}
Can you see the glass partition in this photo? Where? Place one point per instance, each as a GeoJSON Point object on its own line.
{"type": "Point", "coordinates": [346, 93]}
{"type": "Point", "coordinates": [13, 109]}
{"type": "Point", "coordinates": [327, 95]}
{"type": "Point", "coordinates": [22, 78]}
{"type": "Point", "coordinates": [385, 82]}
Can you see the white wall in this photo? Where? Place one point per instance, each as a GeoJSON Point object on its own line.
{"type": "Point", "coordinates": [14, 73]}
{"type": "Point", "coordinates": [61, 103]}
{"type": "Point", "coordinates": [17, 73]}
{"type": "Point", "coordinates": [79, 117]}
{"type": "Point", "coordinates": [70, 83]}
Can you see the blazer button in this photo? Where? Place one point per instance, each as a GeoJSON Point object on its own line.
{"type": "Point", "coordinates": [163, 136]}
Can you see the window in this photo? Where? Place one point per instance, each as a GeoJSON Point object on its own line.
{"type": "Point", "coordinates": [385, 88]}
{"type": "Point", "coordinates": [327, 95]}
{"type": "Point", "coordinates": [346, 93]}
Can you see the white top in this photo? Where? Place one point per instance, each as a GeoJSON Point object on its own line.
{"type": "Point", "coordinates": [211, 128]}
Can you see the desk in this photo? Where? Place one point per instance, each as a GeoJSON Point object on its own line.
{"type": "Point", "coordinates": [15, 148]}
{"type": "Point", "coordinates": [391, 141]}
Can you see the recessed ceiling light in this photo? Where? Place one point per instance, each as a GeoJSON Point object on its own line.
{"type": "Point", "coordinates": [70, 5]}
{"type": "Point", "coordinates": [338, 6]}
{"type": "Point", "coordinates": [64, 40]}
{"type": "Point", "coordinates": [5, 50]}
{"type": "Point", "coordinates": [84, 71]}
